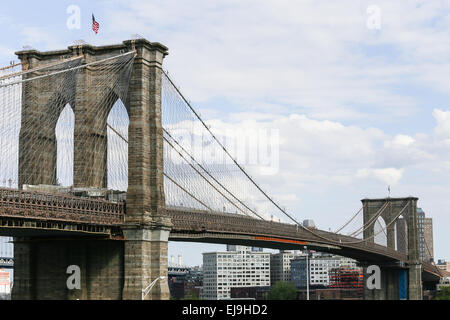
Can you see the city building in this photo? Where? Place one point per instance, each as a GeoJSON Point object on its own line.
{"type": "Point", "coordinates": [425, 236]}
{"type": "Point", "coordinates": [443, 283]}
{"type": "Point", "coordinates": [349, 281]}
{"type": "Point", "coordinates": [185, 282]}
{"type": "Point", "coordinates": [319, 268]}
{"type": "Point", "coordinates": [280, 265]}
{"type": "Point", "coordinates": [6, 267]}
{"type": "Point", "coordinates": [425, 225]}
{"type": "Point", "coordinates": [309, 224]}
{"type": "Point", "coordinates": [443, 265]}
{"type": "Point", "coordinates": [237, 267]}
{"type": "Point", "coordinates": [250, 293]}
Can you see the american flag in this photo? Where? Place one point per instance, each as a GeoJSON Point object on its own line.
{"type": "Point", "coordinates": [95, 25]}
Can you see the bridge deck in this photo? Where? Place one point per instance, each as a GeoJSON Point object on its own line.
{"type": "Point", "coordinates": [24, 213]}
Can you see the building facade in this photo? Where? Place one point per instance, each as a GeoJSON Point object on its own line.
{"type": "Point", "coordinates": [425, 236]}
{"type": "Point", "coordinates": [237, 267]}
{"type": "Point", "coordinates": [443, 265]}
{"type": "Point", "coordinates": [280, 265]}
{"type": "Point", "coordinates": [319, 267]}
{"type": "Point", "coordinates": [6, 267]}
{"type": "Point", "coordinates": [185, 283]}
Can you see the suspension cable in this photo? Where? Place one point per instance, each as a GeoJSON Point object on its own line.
{"type": "Point", "coordinates": [349, 221]}
{"type": "Point", "coordinates": [211, 176]}
{"type": "Point", "coordinates": [170, 144]}
{"type": "Point", "coordinates": [21, 73]}
{"type": "Point", "coordinates": [66, 70]}
{"type": "Point", "coordinates": [371, 220]}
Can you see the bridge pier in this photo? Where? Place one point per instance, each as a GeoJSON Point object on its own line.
{"type": "Point", "coordinates": [41, 269]}
{"type": "Point", "coordinates": [136, 262]}
{"type": "Point", "coordinates": [406, 209]}
{"type": "Point", "coordinates": [146, 259]}
{"type": "Point", "coordinates": [389, 289]}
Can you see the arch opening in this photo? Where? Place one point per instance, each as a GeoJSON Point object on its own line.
{"type": "Point", "coordinates": [64, 132]}
{"type": "Point", "coordinates": [117, 155]}
{"type": "Point", "coordinates": [380, 232]}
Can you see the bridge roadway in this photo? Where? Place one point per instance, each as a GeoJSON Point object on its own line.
{"type": "Point", "coordinates": [38, 214]}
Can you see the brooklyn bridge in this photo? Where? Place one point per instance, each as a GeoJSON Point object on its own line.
{"type": "Point", "coordinates": [100, 170]}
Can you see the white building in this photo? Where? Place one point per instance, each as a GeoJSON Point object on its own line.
{"type": "Point", "coordinates": [6, 271]}
{"type": "Point", "coordinates": [280, 265]}
{"type": "Point", "coordinates": [320, 266]}
{"type": "Point", "coordinates": [238, 267]}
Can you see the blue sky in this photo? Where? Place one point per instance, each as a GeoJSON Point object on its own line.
{"type": "Point", "coordinates": [357, 108]}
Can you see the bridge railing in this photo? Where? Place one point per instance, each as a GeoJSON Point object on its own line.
{"type": "Point", "coordinates": [66, 208]}
{"type": "Point", "coordinates": [196, 221]}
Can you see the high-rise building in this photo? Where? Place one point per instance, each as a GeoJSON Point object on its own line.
{"type": "Point", "coordinates": [425, 226]}
{"type": "Point", "coordinates": [425, 236]}
{"type": "Point", "coordinates": [238, 267]}
{"type": "Point", "coordinates": [280, 265]}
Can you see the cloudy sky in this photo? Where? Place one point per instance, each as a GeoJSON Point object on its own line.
{"type": "Point", "coordinates": [359, 103]}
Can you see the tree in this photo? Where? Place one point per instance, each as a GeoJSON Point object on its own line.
{"type": "Point", "coordinates": [191, 296]}
{"type": "Point", "coordinates": [443, 294]}
{"type": "Point", "coordinates": [283, 291]}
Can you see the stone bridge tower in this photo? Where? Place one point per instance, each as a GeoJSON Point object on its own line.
{"type": "Point", "coordinates": [110, 269]}
{"type": "Point", "coordinates": [406, 242]}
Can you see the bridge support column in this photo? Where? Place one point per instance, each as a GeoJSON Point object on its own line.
{"type": "Point", "coordinates": [41, 269]}
{"type": "Point", "coordinates": [404, 212]}
{"type": "Point", "coordinates": [146, 259]}
{"type": "Point", "coordinates": [147, 225]}
{"type": "Point", "coordinates": [389, 289]}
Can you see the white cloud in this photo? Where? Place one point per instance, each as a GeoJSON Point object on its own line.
{"type": "Point", "coordinates": [443, 122]}
{"type": "Point", "coordinates": [390, 176]}
{"type": "Point", "coordinates": [307, 55]}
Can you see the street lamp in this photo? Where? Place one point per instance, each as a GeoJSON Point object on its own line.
{"type": "Point", "coordinates": [307, 273]}
{"type": "Point", "coordinates": [146, 291]}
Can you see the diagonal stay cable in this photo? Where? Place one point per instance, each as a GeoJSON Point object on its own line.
{"type": "Point", "coordinates": [228, 154]}
{"type": "Point", "coordinates": [166, 175]}
{"type": "Point", "coordinates": [238, 165]}
{"type": "Point", "coordinates": [371, 221]}
{"type": "Point", "coordinates": [211, 176]}
{"type": "Point", "coordinates": [349, 221]}
{"type": "Point", "coordinates": [200, 174]}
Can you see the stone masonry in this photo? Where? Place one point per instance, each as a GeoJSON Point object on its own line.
{"type": "Point", "coordinates": [389, 272]}
{"type": "Point", "coordinates": [110, 269]}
